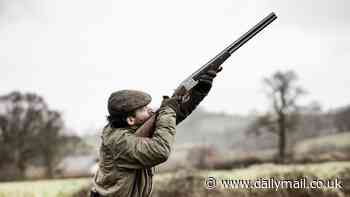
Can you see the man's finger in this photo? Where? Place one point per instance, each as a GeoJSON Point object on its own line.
{"type": "Point", "coordinates": [219, 69]}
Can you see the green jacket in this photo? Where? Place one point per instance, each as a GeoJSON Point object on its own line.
{"type": "Point", "coordinates": [126, 159]}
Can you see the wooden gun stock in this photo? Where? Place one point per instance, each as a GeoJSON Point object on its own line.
{"type": "Point", "coordinates": [147, 129]}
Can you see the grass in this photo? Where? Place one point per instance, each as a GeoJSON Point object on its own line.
{"type": "Point", "coordinates": [323, 170]}
{"type": "Point", "coordinates": [192, 183]}
{"type": "Point", "coordinates": [336, 142]}
{"type": "Point", "coordinates": [42, 188]}
{"type": "Point", "coordinates": [170, 184]}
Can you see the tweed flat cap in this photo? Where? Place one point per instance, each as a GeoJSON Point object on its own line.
{"type": "Point", "coordinates": [125, 101]}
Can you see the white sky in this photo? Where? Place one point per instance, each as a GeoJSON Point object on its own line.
{"type": "Point", "coordinates": [75, 53]}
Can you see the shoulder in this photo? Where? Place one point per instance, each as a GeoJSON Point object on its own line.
{"type": "Point", "coordinates": [114, 135]}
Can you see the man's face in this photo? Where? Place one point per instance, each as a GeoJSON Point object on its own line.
{"type": "Point", "coordinates": [141, 115]}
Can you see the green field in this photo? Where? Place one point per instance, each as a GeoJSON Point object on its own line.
{"type": "Point", "coordinates": [335, 142]}
{"type": "Point", "coordinates": [327, 170]}
{"type": "Point", "coordinates": [191, 182]}
{"type": "Point", "coordinates": [42, 188]}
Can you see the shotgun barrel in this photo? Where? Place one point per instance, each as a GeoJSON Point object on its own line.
{"type": "Point", "coordinates": [147, 129]}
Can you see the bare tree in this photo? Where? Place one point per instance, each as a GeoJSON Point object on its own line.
{"type": "Point", "coordinates": [282, 117]}
{"type": "Point", "coordinates": [50, 140]}
{"type": "Point", "coordinates": [29, 132]}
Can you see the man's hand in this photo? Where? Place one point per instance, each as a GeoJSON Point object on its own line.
{"type": "Point", "coordinates": [205, 81]}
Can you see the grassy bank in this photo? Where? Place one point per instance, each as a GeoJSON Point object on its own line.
{"type": "Point", "coordinates": [191, 183]}
{"type": "Point", "coordinates": [42, 188]}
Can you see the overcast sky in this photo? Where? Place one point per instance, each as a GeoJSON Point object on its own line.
{"type": "Point", "coordinates": [75, 53]}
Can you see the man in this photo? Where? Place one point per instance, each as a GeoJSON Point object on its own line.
{"type": "Point", "coordinates": [125, 159]}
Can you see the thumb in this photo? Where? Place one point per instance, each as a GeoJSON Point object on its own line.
{"type": "Point", "coordinates": [219, 69]}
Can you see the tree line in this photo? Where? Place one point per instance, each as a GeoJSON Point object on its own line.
{"type": "Point", "coordinates": [31, 134]}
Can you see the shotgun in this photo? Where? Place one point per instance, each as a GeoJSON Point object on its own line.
{"type": "Point", "coordinates": [147, 129]}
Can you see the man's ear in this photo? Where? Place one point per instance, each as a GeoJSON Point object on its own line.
{"type": "Point", "coordinates": [130, 120]}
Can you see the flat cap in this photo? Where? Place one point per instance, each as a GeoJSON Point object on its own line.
{"type": "Point", "coordinates": [125, 101]}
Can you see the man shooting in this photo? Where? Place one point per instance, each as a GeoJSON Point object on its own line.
{"type": "Point", "coordinates": [137, 139]}
{"type": "Point", "coordinates": [125, 159]}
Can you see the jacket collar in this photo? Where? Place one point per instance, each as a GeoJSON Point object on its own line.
{"type": "Point", "coordinates": [133, 128]}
